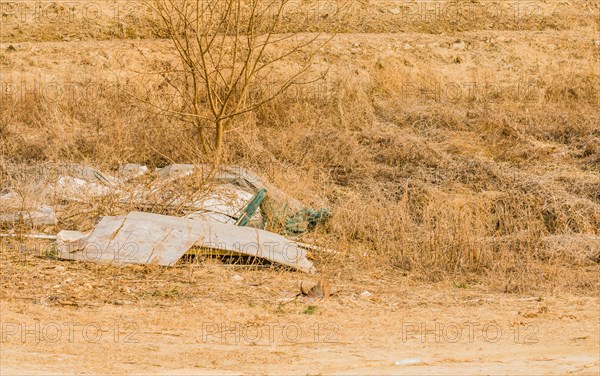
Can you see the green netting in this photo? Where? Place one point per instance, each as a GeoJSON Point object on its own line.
{"type": "Point", "coordinates": [250, 209]}
{"type": "Point", "coordinates": [306, 219]}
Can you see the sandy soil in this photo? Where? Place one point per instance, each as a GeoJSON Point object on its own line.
{"type": "Point", "coordinates": [65, 318]}
{"type": "Point", "coordinates": [446, 337]}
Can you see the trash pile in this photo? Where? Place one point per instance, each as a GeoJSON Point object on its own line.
{"type": "Point", "coordinates": [222, 211]}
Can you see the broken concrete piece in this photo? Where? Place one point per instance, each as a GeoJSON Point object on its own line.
{"type": "Point", "coordinates": [71, 241]}
{"type": "Point", "coordinates": [145, 238]}
{"type": "Point", "coordinates": [237, 173]}
{"type": "Point", "coordinates": [250, 241]}
{"type": "Point", "coordinates": [131, 171]}
{"type": "Point", "coordinates": [138, 238]}
{"type": "Point", "coordinates": [77, 189]}
{"type": "Point", "coordinates": [81, 184]}
{"type": "Point", "coordinates": [43, 216]}
{"type": "Point", "coordinates": [88, 174]}
{"type": "Point", "coordinates": [175, 171]}
{"type": "Point", "coordinates": [10, 200]}
{"type": "Point", "coordinates": [223, 204]}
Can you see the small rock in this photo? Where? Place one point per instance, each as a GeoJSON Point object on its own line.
{"type": "Point", "coordinates": [459, 45]}
{"type": "Point", "coordinates": [395, 11]}
{"type": "Point", "coordinates": [122, 302]}
{"type": "Point", "coordinates": [597, 43]}
{"type": "Point", "coordinates": [237, 277]}
{"type": "Point", "coordinates": [406, 362]}
{"type": "Point", "coordinates": [407, 46]}
{"type": "Point", "coordinates": [59, 268]}
{"type": "Point", "coordinates": [365, 294]}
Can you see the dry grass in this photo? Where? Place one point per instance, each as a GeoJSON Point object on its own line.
{"type": "Point", "coordinates": [63, 20]}
{"type": "Point", "coordinates": [420, 183]}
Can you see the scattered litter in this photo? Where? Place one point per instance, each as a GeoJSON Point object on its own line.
{"type": "Point", "coordinates": [241, 176]}
{"type": "Point", "coordinates": [218, 211]}
{"type": "Point", "coordinates": [71, 241]}
{"type": "Point", "coordinates": [131, 171]}
{"type": "Point", "coordinates": [365, 294]}
{"type": "Point", "coordinates": [175, 171]}
{"type": "Point", "coordinates": [43, 216]}
{"type": "Point", "coordinates": [89, 174]}
{"type": "Point", "coordinates": [138, 238]}
{"type": "Point", "coordinates": [239, 196]}
{"type": "Point", "coordinates": [146, 238]}
{"type": "Point", "coordinates": [59, 268]}
{"type": "Point", "coordinates": [406, 362]}
{"type": "Point", "coordinates": [77, 189]}
{"type": "Point", "coordinates": [10, 200]}
{"type": "Point", "coordinates": [250, 209]}
{"type": "Point", "coordinates": [248, 241]}
{"type": "Point", "coordinates": [224, 204]}
{"type": "Point", "coordinates": [306, 219]}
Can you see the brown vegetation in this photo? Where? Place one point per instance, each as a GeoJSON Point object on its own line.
{"type": "Point", "coordinates": [439, 156]}
{"type": "Point", "coordinates": [456, 144]}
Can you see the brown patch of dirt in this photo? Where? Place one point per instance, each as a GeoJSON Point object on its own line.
{"type": "Point", "coordinates": [64, 317]}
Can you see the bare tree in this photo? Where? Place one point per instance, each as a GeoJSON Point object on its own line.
{"type": "Point", "coordinates": [230, 50]}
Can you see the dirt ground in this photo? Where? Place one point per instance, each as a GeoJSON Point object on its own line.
{"type": "Point", "coordinates": [448, 334]}
{"type": "Point", "coordinates": [61, 317]}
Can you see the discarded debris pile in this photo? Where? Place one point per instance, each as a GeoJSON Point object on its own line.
{"type": "Point", "coordinates": [12, 212]}
{"type": "Point", "coordinates": [42, 216]}
{"type": "Point", "coordinates": [146, 238]}
{"type": "Point", "coordinates": [225, 210]}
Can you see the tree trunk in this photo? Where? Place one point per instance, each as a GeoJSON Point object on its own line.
{"type": "Point", "coordinates": [202, 139]}
{"type": "Point", "coordinates": [219, 130]}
